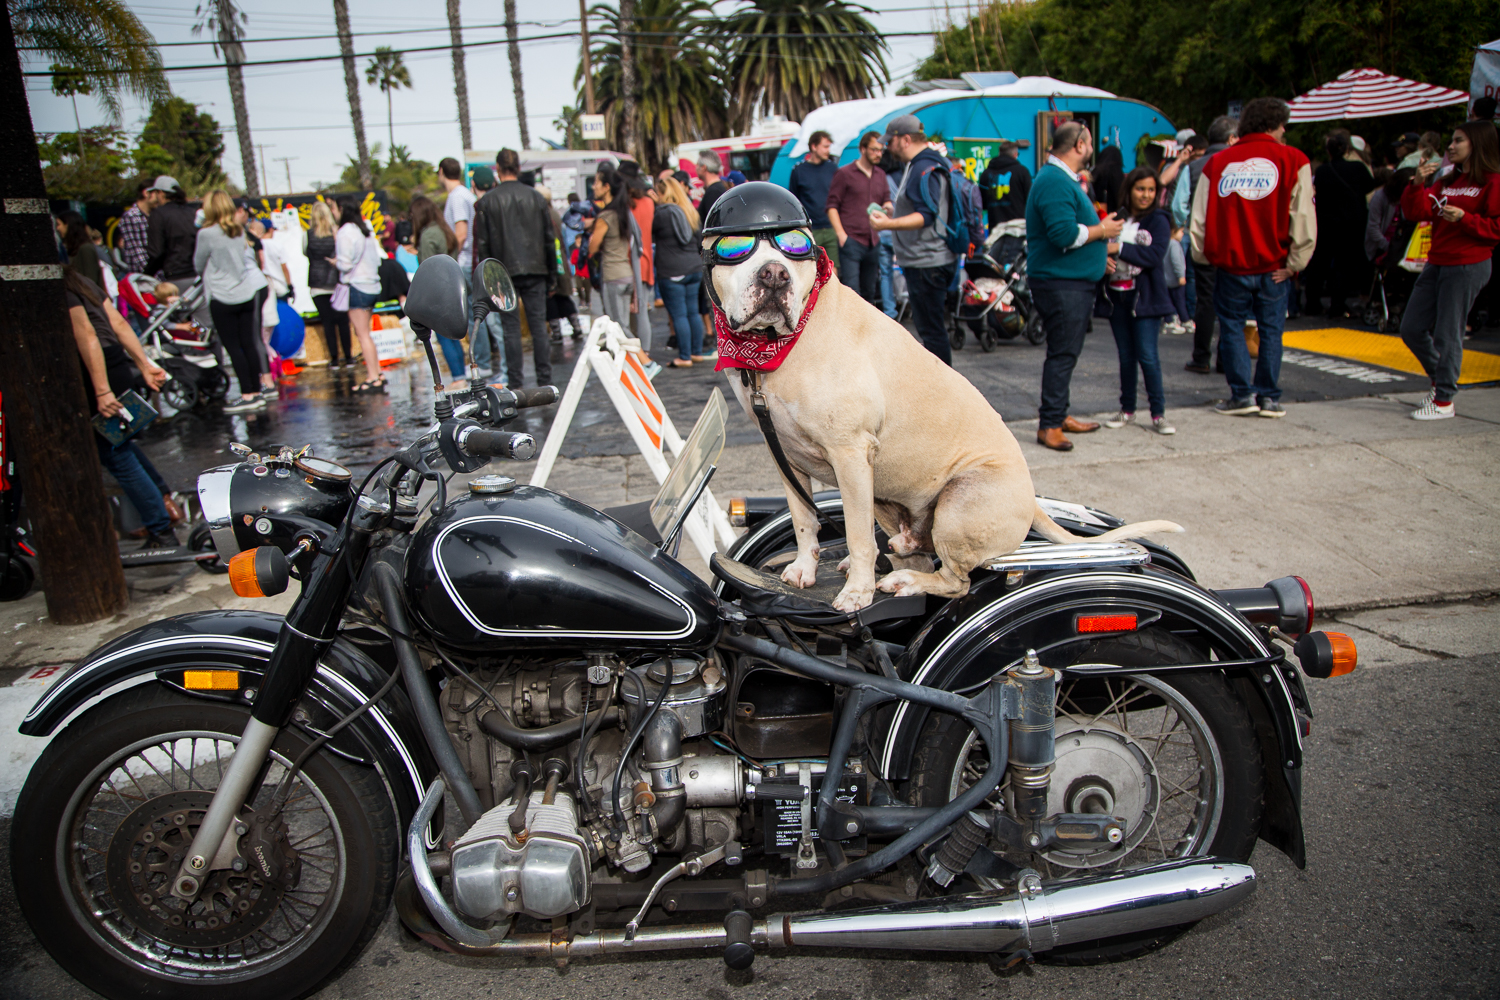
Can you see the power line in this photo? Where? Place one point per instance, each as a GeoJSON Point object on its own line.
{"type": "Point", "coordinates": [327, 36]}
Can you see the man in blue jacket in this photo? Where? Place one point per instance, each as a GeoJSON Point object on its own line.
{"type": "Point", "coordinates": [810, 182]}
{"type": "Point", "coordinates": [1066, 251]}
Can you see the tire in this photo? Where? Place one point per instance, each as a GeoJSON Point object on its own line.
{"type": "Point", "coordinates": [70, 858]}
{"type": "Point", "coordinates": [956, 334]}
{"type": "Point", "coordinates": [181, 395]}
{"type": "Point", "coordinates": [214, 385]}
{"type": "Point", "coordinates": [984, 333]}
{"type": "Point", "coordinates": [202, 540]}
{"type": "Point", "coordinates": [1034, 332]}
{"type": "Point", "coordinates": [1225, 828]}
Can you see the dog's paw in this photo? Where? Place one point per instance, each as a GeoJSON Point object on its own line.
{"type": "Point", "coordinates": [902, 583]}
{"type": "Point", "coordinates": [844, 565]}
{"type": "Point", "coordinates": [852, 599]}
{"type": "Point", "coordinates": [801, 573]}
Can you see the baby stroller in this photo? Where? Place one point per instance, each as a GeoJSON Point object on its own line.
{"type": "Point", "coordinates": [994, 300]}
{"type": "Point", "coordinates": [1393, 281]}
{"type": "Point", "coordinates": [190, 357]}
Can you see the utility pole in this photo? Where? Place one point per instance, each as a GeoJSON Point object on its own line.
{"type": "Point", "coordinates": [286, 161]}
{"type": "Point", "coordinates": [47, 410]}
{"type": "Point", "coordinates": [265, 176]}
{"type": "Point", "coordinates": [588, 72]}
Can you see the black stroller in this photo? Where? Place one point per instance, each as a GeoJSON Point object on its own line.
{"type": "Point", "coordinates": [994, 300]}
{"type": "Point", "coordinates": [1392, 283]}
{"type": "Point", "coordinates": [189, 354]}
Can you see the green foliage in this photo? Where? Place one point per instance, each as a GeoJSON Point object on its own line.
{"type": "Point", "coordinates": [190, 141]}
{"type": "Point", "coordinates": [69, 82]}
{"type": "Point", "coordinates": [1191, 57]}
{"type": "Point", "coordinates": [400, 177]}
{"type": "Point", "coordinates": [387, 70]}
{"type": "Point", "coordinates": [96, 40]}
{"type": "Point", "coordinates": [680, 96]}
{"type": "Point", "coordinates": [94, 165]}
{"type": "Point", "coordinates": [772, 70]}
{"type": "Point", "coordinates": [567, 124]}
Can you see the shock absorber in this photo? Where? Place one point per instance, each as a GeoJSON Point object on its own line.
{"type": "Point", "coordinates": [1032, 743]}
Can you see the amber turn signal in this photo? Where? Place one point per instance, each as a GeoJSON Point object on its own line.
{"type": "Point", "coordinates": [259, 572]}
{"type": "Point", "coordinates": [737, 512]}
{"type": "Point", "coordinates": [1326, 654]}
{"type": "Point", "coordinates": [1345, 656]}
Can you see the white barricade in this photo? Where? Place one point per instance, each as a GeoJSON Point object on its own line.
{"type": "Point", "coordinates": [604, 352]}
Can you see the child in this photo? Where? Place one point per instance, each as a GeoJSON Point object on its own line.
{"type": "Point", "coordinates": [1176, 274]}
{"type": "Point", "coordinates": [167, 295]}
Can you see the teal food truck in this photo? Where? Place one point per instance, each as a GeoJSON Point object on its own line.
{"type": "Point", "coordinates": [973, 114]}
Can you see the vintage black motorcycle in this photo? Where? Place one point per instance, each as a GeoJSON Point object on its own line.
{"type": "Point", "coordinates": [522, 720]}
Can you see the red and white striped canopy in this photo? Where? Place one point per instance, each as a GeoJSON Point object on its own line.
{"type": "Point", "coordinates": [1369, 93]}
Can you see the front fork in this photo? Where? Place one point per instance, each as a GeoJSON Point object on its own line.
{"type": "Point", "coordinates": [310, 627]}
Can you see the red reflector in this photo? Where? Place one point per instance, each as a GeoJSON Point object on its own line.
{"type": "Point", "coordinates": [1106, 623]}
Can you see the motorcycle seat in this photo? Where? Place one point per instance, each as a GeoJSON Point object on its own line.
{"type": "Point", "coordinates": [767, 595]}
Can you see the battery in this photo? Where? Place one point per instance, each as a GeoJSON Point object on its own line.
{"type": "Point", "coordinates": [783, 820]}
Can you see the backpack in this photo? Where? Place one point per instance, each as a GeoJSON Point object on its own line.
{"type": "Point", "coordinates": [956, 229]}
{"type": "Point", "coordinates": [972, 200]}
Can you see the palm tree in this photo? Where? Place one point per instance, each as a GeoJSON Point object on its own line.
{"type": "Point", "coordinates": [68, 82]}
{"type": "Point", "coordinates": [226, 22]}
{"type": "Point", "coordinates": [685, 99]}
{"type": "Point", "coordinates": [567, 123]}
{"type": "Point", "coordinates": [388, 72]}
{"type": "Point", "coordinates": [460, 78]}
{"type": "Point", "coordinates": [792, 56]}
{"type": "Point", "coordinates": [351, 89]}
{"type": "Point", "coordinates": [102, 42]}
{"type": "Point", "coordinates": [630, 81]}
{"type": "Point", "coordinates": [515, 71]}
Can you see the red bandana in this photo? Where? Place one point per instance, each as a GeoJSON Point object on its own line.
{"type": "Point", "coordinates": [754, 349]}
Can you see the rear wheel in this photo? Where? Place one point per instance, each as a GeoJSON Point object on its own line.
{"type": "Point", "coordinates": [1033, 331]}
{"type": "Point", "coordinates": [956, 333]}
{"type": "Point", "coordinates": [108, 813]}
{"type": "Point", "coordinates": [181, 395]}
{"type": "Point", "coordinates": [1175, 755]}
{"type": "Point", "coordinates": [984, 332]}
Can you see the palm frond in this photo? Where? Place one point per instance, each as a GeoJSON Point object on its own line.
{"type": "Point", "coordinates": [102, 41]}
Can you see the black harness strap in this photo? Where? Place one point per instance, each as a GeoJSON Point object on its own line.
{"type": "Point", "coordinates": [751, 380]}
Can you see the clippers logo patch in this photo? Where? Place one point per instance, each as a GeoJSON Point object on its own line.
{"type": "Point", "coordinates": [1251, 179]}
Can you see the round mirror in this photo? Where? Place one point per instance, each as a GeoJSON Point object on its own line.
{"type": "Point", "coordinates": [321, 468]}
{"type": "Point", "coordinates": [497, 284]}
{"type": "Point", "coordinates": [239, 449]}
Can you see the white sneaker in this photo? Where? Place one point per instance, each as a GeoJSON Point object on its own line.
{"type": "Point", "coordinates": [1189, 326]}
{"type": "Point", "coordinates": [1171, 327]}
{"type": "Point", "coordinates": [1433, 410]}
{"type": "Point", "coordinates": [1160, 426]}
{"type": "Point", "coordinates": [1119, 420]}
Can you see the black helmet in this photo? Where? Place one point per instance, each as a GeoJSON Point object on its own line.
{"type": "Point", "coordinates": [755, 208]}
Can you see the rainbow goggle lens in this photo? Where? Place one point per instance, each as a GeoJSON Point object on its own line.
{"type": "Point", "coordinates": [794, 243]}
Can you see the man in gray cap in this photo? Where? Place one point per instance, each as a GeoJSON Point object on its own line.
{"type": "Point", "coordinates": [171, 236]}
{"type": "Point", "coordinates": [920, 232]}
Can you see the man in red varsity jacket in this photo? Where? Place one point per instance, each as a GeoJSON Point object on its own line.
{"type": "Point", "coordinates": [1253, 221]}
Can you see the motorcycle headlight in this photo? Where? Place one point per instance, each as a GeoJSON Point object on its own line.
{"type": "Point", "coordinates": [249, 505]}
{"type": "Point", "coordinates": [214, 500]}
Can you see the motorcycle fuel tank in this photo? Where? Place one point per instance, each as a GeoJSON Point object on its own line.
{"type": "Point", "coordinates": [530, 568]}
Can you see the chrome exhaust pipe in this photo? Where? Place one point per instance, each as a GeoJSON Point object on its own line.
{"type": "Point", "coordinates": [1055, 914]}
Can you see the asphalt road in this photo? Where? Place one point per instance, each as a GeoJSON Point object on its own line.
{"type": "Point", "coordinates": [1399, 897]}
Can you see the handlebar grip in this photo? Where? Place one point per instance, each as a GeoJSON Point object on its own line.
{"type": "Point", "coordinates": [519, 447]}
{"type": "Point", "coordinates": [541, 395]}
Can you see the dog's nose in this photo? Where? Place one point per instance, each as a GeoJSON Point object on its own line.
{"type": "Point", "coordinates": [773, 275]}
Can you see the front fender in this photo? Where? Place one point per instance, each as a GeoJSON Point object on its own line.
{"type": "Point", "coordinates": [386, 736]}
{"type": "Point", "coordinates": [972, 638]}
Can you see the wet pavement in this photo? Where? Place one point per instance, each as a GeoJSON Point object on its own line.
{"type": "Point", "coordinates": [317, 406]}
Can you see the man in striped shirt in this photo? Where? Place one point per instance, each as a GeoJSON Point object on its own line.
{"type": "Point", "coordinates": [133, 227]}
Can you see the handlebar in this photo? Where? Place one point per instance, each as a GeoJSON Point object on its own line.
{"type": "Point", "coordinates": [541, 395]}
{"type": "Point", "coordinates": [519, 447]}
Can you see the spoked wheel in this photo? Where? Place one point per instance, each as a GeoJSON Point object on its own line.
{"type": "Point", "coordinates": [1033, 332]}
{"type": "Point", "coordinates": [1176, 756]}
{"type": "Point", "coordinates": [956, 333]}
{"type": "Point", "coordinates": [181, 395]}
{"type": "Point", "coordinates": [110, 810]}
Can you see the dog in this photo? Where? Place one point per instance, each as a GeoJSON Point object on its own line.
{"type": "Point", "coordinates": [911, 444]}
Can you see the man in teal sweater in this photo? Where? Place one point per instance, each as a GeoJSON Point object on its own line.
{"type": "Point", "coordinates": [1066, 250]}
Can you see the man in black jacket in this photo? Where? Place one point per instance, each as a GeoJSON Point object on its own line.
{"type": "Point", "coordinates": [1222, 134]}
{"type": "Point", "coordinates": [513, 224]}
{"type": "Point", "coordinates": [171, 234]}
{"type": "Point", "coordinates": [1004, 186]}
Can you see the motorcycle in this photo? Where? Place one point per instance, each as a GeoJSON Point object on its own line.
{"type": "Point", "coordinates": [524, 723]}
{"type": "Point", "coordinates": [994, 299]}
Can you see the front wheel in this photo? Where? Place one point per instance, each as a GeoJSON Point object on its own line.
{"type": "Point", "coordinates": [956, 333]}
{"type": "Point", "coordinates": [1176, 756]}
{"type": "Point", "coordinates": [111, 808]}
{"type": "Point", "coordinates": [1034, 332]}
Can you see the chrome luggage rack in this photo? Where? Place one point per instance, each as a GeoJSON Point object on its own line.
{"type": "Point", "coordinates": [1069, 555]}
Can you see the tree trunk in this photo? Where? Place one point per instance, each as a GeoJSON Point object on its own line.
{"type": "Point", "coordinates": [515, 72]}
{"type": "Point", "coordinates": [628, 83]}
{"type": "Point", "coordinates": [46, 410]}
{"type": "Point", "coordinates": [460, 78]}
{"type": "Point", "coordinates": [234, 55]}
{"type": "Point", "coordinates": [390, 126]}
{"type": "Point", "coordinates": [351, 87]}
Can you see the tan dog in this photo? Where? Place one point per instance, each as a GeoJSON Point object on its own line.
{"type": "Point", "coordinates": [909, 441]}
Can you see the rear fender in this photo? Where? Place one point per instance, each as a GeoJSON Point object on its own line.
{"type": "Point", "coordinates": [386, 737]}
{"type": "Point", "coordinates": [974, 637]}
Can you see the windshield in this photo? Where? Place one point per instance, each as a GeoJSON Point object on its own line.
{"type": "Point", "coordinates": [700, 453]}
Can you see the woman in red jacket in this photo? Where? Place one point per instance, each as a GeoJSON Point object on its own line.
{"type": "Point", "coordinates": [1464, 208]}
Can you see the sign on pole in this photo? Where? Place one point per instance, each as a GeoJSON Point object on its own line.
{"type": "Point", "coordinates": [608, 353]}
{"type": "Point", "coordinates": [591, 126]}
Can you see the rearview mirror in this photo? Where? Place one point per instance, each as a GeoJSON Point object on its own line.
{"type": "Point", "coordinates": [497, 284]}
{"type": "Point", "coordinates": [439, 298]}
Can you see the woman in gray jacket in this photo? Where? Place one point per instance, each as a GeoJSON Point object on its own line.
{"type": "Point", "coordinates": [235, 285]}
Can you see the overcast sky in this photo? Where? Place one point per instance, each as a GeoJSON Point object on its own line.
{"type": "Point", "coordinates": [300, 110]}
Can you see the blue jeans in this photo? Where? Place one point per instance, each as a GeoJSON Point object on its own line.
{"type": "Point", "coordinates": [479, 340]}
{"type": "Point", "coordinates": [681, 300]}
{"type": "Point", "coordinates": [1067, 313]}
{"type": "Point", "coordinates": [1136, 340]}
{"type": "Point", "coordinates": [1238, 297]}
{"type": "Point", "coordinates": [139, 481]}
{"type": "Point", "coordinates": [887, 283]}
{"type": "Point", "coordinates": [453, 353]}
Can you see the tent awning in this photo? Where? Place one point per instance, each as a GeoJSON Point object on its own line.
{"type": "Point", "coordinates": [1369, 93]}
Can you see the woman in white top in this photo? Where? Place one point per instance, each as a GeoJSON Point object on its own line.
{"type": "Point", "coordinates": [357, 257]}
{"type": "Point", "coordinates": [235, 284]}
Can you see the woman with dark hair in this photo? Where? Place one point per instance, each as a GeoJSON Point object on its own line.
{"type": "Point", "coordinates": [357, 258]}
{"type": "Point", "coordinates": [1464, 208]}
{"type": "Point", "coordinates": [1136, 285]}
{"type": "Point", "coordinates": [615, 241]}
{"type": "Point", "coordinates": [1108, 174]}
{"type": "Point", "coordinates": [83, 256]}
{"type": "Point", "coordinates": [1339, 264]}
{"type": "Point", "coordinates": [435, 237]}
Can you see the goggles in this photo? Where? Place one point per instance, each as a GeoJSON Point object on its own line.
{"type": "Point", "coordinates": [736, 249]}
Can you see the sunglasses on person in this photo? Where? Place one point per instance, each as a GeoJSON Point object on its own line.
{"type": "Point", "coordinates": [794, 243]}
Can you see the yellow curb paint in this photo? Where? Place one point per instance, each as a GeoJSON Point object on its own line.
{"type": "Point", "coordinates": [1385, 351]}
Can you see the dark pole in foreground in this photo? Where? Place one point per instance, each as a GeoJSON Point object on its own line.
{"type": "Point", "coordinates": [46, 407]}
